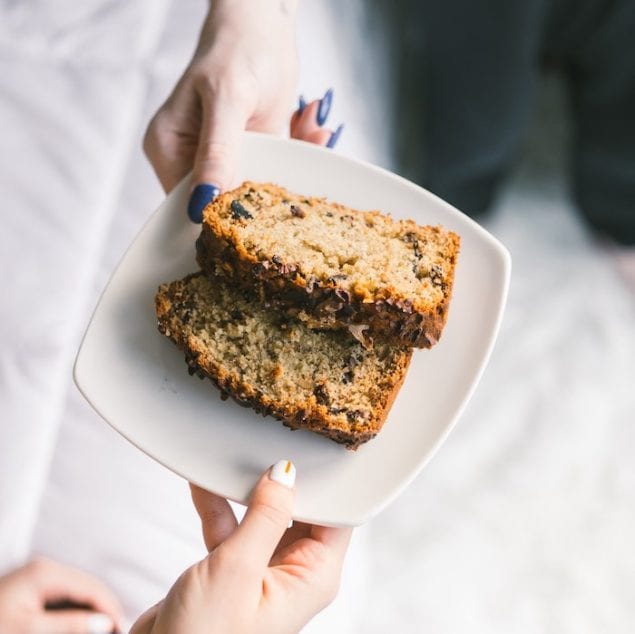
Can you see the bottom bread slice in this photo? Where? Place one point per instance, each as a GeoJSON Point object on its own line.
{"type": "Point", "coordinates": [323, 381]}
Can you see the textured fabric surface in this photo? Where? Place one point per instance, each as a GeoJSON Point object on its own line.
{"type": "Point", "coordinates": [79, 84]}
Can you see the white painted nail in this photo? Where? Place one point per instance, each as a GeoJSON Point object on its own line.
{"type": "Point", "coordinates": [284, 473]}
{"type": "Point", "coordinates": [99, 624]}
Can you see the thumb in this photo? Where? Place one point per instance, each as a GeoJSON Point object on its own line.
{"type": "Point", "coordinates": [268, 515]}
{"type": "Point", "coordinates": [217, 153]}
{"type": "Point", "coordinates": [75, 622]}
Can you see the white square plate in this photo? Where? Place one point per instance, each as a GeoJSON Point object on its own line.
{"type": "Point", "coordinates": [138, 380]}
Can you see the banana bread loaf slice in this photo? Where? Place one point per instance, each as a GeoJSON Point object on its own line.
{"type": "Point", "coordinates": [332, 266]}
{"type": "Point", "coordinates": [324, 381]}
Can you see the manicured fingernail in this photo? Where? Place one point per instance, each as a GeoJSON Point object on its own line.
{"type": "Point", "coordinates": [99, 624]}
{"type": "Point", "coordinates": [335, 136]}
{"type": "Point", "coordinates": [201, 196]}
{"type": "Point", "coordinates": [301, 105]}
{"type": "Point", "coordinates": [283, 472]}
{"type": "Point", "coordinates": [325, 107]}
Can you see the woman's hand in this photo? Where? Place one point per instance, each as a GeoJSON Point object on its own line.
{"type": "Point", "coordinates": [242, 76]}
{"type": "Point", "coordinates": [45, 597]}
{"type": "Point", "coordinates": [259, 577]}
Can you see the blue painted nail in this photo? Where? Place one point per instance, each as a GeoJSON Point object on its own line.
{"type": "Point", "coordinates": [301, 105]}
{"type": "Point", "coordinates": [201, 196]}
{"type": "Point", "coordinates": [335, 136]}
{"type": "Point", "coordinates": [325, 107]}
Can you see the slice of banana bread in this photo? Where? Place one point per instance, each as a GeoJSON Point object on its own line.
{"type": "Point", "coordinates": [324, 381]}
{"type": "Point", "coordinates": [331, 266]}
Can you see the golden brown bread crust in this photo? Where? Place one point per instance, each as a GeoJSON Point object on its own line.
{"type": "Point", "coordinates": [324, 302]}
{"type": "Point", "coordinates": [171, 306]}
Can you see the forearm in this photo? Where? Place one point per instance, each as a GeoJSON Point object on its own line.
{"type": "Point", "coordinates": [242, 76]}
{"type": "Point", "coordinates": [284, 7]}
{"type": "Point", "coordinates": [264, 17]}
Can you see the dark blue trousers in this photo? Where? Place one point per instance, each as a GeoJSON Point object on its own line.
{"type": "Point", "coordinates": [467, 72]}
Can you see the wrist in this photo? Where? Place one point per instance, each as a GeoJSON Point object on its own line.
{"type": "Point", "coordinates": [248, 14]}
{"type": "Point", "coordinates": [270, 22]}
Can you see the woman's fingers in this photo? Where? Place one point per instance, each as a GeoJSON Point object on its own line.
{"type": "Point", "coordinates": [319, 137]}
{"type": "Point", "coordinates": [267, 517]}
{"type": "Point", "coordinates": [57, 582]}
{"type": "Point", "coordinates": [335, 539]}
{"type": "Point", "coordinates": [73, 622]}
{"type": "Point", "coordinates": [217, 518]}
{"type": "Point", "coordinates": [307, 122]}
{"type": "Point", "coordinates": [297, 531]}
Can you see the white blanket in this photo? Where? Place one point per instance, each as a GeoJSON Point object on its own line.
{"type": "Point", "coordinates": [523, 521]}
{"type": "Point", "coordinates": [79, 84]}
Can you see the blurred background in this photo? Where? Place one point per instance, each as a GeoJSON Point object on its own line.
{"type": "Point", "coordinates": [524, 520]}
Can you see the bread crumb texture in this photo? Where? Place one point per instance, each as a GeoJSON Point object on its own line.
{"type": "Point", "coordinates": [325, 381]}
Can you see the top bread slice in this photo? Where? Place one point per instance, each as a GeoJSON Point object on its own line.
{"type": "Point", "coordinates": [331, 266]}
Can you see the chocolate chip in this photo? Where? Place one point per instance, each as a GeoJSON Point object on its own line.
{"type": "Point", "coordinates": [436, 274]}
{"type": "Point", "coordinates": [355, 358]}
{"type": "Point", "coordinates": [238, 211]}
{"type": "Point", "coordinates": [297, 212]}
{"type": "Point", "coordinates": [357, 330]}
{"type": "Point", "coordinates": [276, 259]}
{"type": "Point", "coordinates": [431, 338]}
{"type": "Point", "coordinates": [236, 314]}
{"type": "Point", "coordinates": [345, 296]}
{"type": "Point", "coordinates": [186, 317]}
{"type": "Point", "coordinates": [260, 267]}
{"type": "Point", "coordinates": [321, 395]}
{"type": "Point", "coordinates": [311, 282]}
{"type": "Point", "coordinates": [347, 377]}
{"type": "Point", "coordinates": [411, 238]}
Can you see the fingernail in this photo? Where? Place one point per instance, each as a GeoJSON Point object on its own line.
{"type": "Point", "coordinates": [301, 105]}
{"type": "Point", "coordinates": [201, 196]}
{"type": "Point", "coordinates": [325, 107]}
{"type": "Point", "coordinates": [283, 472]}
{"type": "Point", "coordinates": [99, 624]}
{"type": "Point", "coordinates": [335, 136]}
